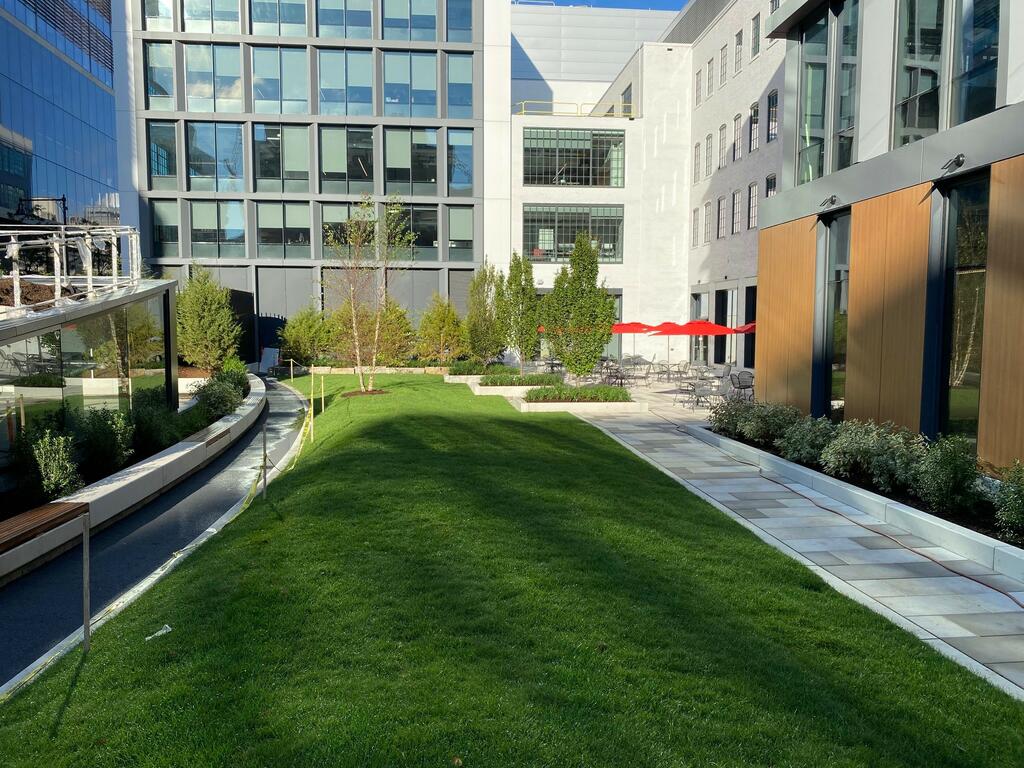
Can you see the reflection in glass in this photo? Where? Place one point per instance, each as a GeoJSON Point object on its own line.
{"type": "Point", "coordinates": [30, 383]}
{"type": "Point", "coordinates": [215, 16]}
{"type": "Point", "coordinates": [96, 361]}
{"type": "Point", "coordinates": [282, 230]}
{"type": "Point", "coordinates": [460, 162]}
{"type": "Point", "coordinates": [280, 80]}
{"type": "Point", "coordinates": [975, 59]}
{"type": "Point", "coordinates": [163, 156]}
{"type": "Point", "coordinates": [165, 228]}
{"type": "Point", "coordinates": [837, 312]}
{"type": "Point", "coordinates": [282, 157]}
{"type": "Point", "coordinates": [813, 70]}
{"type": "Point", "coordinates": [214, 157]}
{"type": "Point", "coordinates": [460, 233]}
{"type": "Point", "coordinates": [846, 86]}
{"type": "Point", "coordinates": [460, 85]}
{"type": "Point", "coordinates": [147, 364]}
{"type": "Point", "coordinates": [919, 56]}
{"type": "Point", "coordinates": [460, 21]}
{"type": "Point", "coordinates": [423, 224]}
{"type": "Point", "coordinates": [344, 18]}
{"type": "Point", "coordinates": [158, 15]}
{"type": "Point", "coordinates": [335, 215]}
{"type": "Point", "coordinates": [160, 76]}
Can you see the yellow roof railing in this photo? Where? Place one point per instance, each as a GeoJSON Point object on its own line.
{"type": "Point", "coordinates": [570, 109]}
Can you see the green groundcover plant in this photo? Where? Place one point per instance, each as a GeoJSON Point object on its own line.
{"type": "Point", "coordinates": [478, 368]}
{"type": "Point", "coordinates": [515, 380]}
{"type": "Point", "coordinates": [562, 393]}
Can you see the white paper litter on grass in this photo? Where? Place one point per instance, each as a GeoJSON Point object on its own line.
{"type": "Point", "coordinates": [162, 631]}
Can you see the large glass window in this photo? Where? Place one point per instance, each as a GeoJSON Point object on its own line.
{"type": "Point", "coordinates": [345, 18]}
{"type": "Point", "coordinates": [410, 160]}
{"type": "Point", "coordinates": [346, 160]}
{"type": "Point", "coordinates": [755, 36]}
{"type": "Point", "coordinates": [159, 76]}
{"type": "Point", "coordinates": [573, 157]}
{"type": "Point", "coordinates": [699, 310]}
{"type": "Point", "coordinates": [726, 312]}
{"type": "Point", "coordinates": [770, 186]}
{"type": "Point", "coordinates": [837, 299]}
{"type": "Point", "coordinates": [723, 64]}
{"type": "Point", "coordinates": [346, 82]}
{"type": "Point", "coordinates": [218, 229]}
{"type": "Point", "coordinates": [813, 89]}
{"type": "Point", "coordinates": [966, 267]}
{"type": "Point", "coordinates": [460, 21]}
{"type": "Point", "coordinates": [752, 194]}
{"type": "Point", "coordinates": [749, 316]}
{"type": "Point", "coordinates": [410, 19]}
{"type": "Point", "coordinates": [282, 230]}
{"type": "Point", "coordinates": [723, 218]}
{"type": "Point", "coordinates": [410, 84]}
{"type": "Point", "coordinates": [460, 162]}
{"type": "Point", "coordinates": [286, 18]}
{"type": "Point", "coordinates": [163, 156]}
{"type": "Point", "coordinates": [158, 15]}
{"type": "Point", "coordinates": [738, 65]}
{"type": "Point", "coordinates": [549, 231]}
{"type": "Point", "coordinates": [460, 233]}
{"type": "Point", "coordinates": [737, 212]}
{"type": "Point", "coordinates": [423, 225]}
{"type": "Point", "coordinates": [773, 116]}
{"type": "Point", "coordinates": [844, 119]}
{"type": "Point", "coordinates": [211, 16]}
{"type": "Point", "coordinates": [755, 127]}
{"type": "Point", "coordinates": [335, 234]}
{"type": "Point", "coordinates": [282, 157]}
{"type": "Point", "coordinates": [215, 157]}
{"type": "Point", "coordinates": [213, 78]}
{"type": "Point", "coordinates": [460, 85]}
{"type": "Point", "coordinates": [165, 228]}
{"type": "Point", "coordinates": [975, 59]}
{"type": "Point", "coordinates": [918, 65]}
{"type": "Point", "coordinates": [280, 80]}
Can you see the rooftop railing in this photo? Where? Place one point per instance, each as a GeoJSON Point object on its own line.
{"type": "Point", "coordinates": [73, 262]}
{"type": "Point", "coordinates": [570, 109]}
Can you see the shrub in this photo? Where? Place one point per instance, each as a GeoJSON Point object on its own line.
{"type": "Point", "coordinates": [883, 456]}
{"type": "Point", "coordinates": [157, 426]}
{"type": "Point", "coordinates": [725, 416]}
{"type": "Point", "coordinates": [515, 380]}
{"type": "Point", "coordinates": [478, 368]}
{"type": "Point", "coordinates": [306, 336]}
{"type": "Point", "coordinates": [484, 336]}
{"type": "Point", "coordinates": [765, 423]}
{"type": "Point", "coordinates": [208, 332]}
{"type": "Point", "coordinates": [39, 380]}
{"type": "Point", "coordinates": [948, 476]}
{"type": "Point", "coordinates": [442, 336]}
{"type": "Point", "coordinates": [54, 457]}
{"type": "Point", "coordinates": [216, 399]}
{"type": "Point", "coordinates": [396, 335]}
{"type": "Point", "coordinates": [234, 373]}
{"type": "Point", "coordinates": [804, 440]}
{"type": "Point", "coordinates": [103, 440]}
{"type": "Point", "coordinates": [1010, 503]}
{"type": "Point", "coordinates": [561, 393]}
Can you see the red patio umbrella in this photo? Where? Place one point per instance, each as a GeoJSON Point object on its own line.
{"type": "Point", "coordinates": [631, 328]}
{"type": "Point", "coordinates": [748, 328]}
{"type": "Point", "coordinates": [692, 328]}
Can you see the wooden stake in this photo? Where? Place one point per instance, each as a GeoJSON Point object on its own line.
{"type": "Point", "coordinates": [321, 394]}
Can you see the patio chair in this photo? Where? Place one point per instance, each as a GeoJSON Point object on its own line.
{"type": "Point", "coordinates": [742, 385]}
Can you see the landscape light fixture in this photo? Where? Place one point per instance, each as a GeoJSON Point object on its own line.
{"type": "Point", "coordinates": [829, 201]}
{"type": "Point", "coordinates": [955, 162]}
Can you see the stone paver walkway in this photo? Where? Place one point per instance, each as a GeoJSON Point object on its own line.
{"type": "Point", "coordinates": [923, 588]}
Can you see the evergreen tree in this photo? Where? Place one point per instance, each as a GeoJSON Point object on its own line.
{"type": "Point", "coordinates": [483, 331]}
{"type": "Point", "coordinates": [208, 332]}
{"type": "Point", "coordinates": [518, 309]}
{"type": "Point", "coordinates": [442, 337]}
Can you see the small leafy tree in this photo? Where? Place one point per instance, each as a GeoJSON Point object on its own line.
{"type": "Point", "coordinates": [578, 313]}
{"type": "Point", "coordinates": [483, 330]}
{"type": "Point", "coordinates": [518, 310]}
{"type": "Point", "coordinates": [442, 337]}
{"type": "Point", "coordinates": [397, 337]}
{"type": "Point", "coordinates": [208, 331]}
{"type": "Point", "coordinates": [306, 336]}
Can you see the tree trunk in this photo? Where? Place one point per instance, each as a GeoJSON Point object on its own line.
{"type": "Point", "coordinates": [355, 335]}
{"type": "Point", "coordinates": [376, 337]}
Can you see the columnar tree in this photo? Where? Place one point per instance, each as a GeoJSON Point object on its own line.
{"type": "Point", "coordinates": [579, 313]}
{"type": "Point", "coordinates": [441, 337]}
{"type": "Point", "coordinates": [518, 309]}
{"type": "Point", "coordinates": [367, 247]}
{"type": "Point", "coordinates": [483, 331]}
{"type": "Point", "coordinates": [208, 331]}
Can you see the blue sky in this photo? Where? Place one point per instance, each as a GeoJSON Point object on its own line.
{"type": "Point", "coordinates": [660, 5]}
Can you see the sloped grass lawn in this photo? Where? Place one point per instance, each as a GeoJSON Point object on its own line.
{"type": "Point", "coordinates": [444, 581]}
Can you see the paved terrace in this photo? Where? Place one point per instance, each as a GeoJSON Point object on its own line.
{"type": "Point", "coordinates": [959, 607]}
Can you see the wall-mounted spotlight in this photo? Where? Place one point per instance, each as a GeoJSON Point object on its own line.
{"type": "Point", "coordinates": [955, 162]}
{"type": "Point", "coordinates": [829, 201]}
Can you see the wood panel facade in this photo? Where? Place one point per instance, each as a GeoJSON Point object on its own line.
{"type": "Point", "coordinates": [1001, 418]}
{"type": "Point", "coordinates": [888, 294]}
{"type": "Point", "coordinates": [785, 313]}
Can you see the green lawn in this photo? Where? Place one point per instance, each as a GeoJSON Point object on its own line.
{"type": "Point", "coordinates": [442, 580]}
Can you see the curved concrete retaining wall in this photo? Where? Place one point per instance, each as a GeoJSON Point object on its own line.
{"type": "Point", "coordinates": [992, 553]}
{"type": "Point", "coordinates": [128, 489]}
{"type": "Point", "coordinates": [584, 409]}
{"type": "Point", "coordinates": [435, 370]}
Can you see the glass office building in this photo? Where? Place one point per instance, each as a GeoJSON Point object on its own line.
{"type": "Point", "coordinates": [57, 129]}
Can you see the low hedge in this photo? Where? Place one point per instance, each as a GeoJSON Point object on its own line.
{"type": "Point", "coordinates": [562, 393]}
{"type": "Point", "coordinates": [477, 368]}
{"type": "Point", "coordinates": [515, 380]}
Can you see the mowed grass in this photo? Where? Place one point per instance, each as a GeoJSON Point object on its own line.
{"type": "Point", "coordinates": [443, 581]}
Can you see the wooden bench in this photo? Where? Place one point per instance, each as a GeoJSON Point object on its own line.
{"type": "Point", "coordinates": [24, 527]}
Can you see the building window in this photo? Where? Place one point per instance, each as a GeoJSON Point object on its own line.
{"type": "Point", "coordinates": [723, 218]}
{"type": "Point", "coordinates": [737, 137]}
{"type": "Point", "coordinates": [158, 15]}
{"type": "Point", "coordinates": [346, 160]}
{"type": "Point", "coordinates": [549, 231]}
{"type": "Point", "coordinates": [966, 271]}
{"type": "Point", "coordinates": [755, 127]}
{"type": "Point", "coordinates": [460, 21]}
{"type": "Point", "coordinates": [159, 77]}
{"type": "Point", "coordinates": [773, 116]}
{"type": "Point", "coordinates": [699, 344]}
{"type": "Point", "coordinates": [286, 18]}
{"type": "Point", "coordinates": [738, 59]}
{"type": "Point", "coordinates": [696, 162]}
{"type": "Point", "coordinates": [410, 161]}
{"type": "Point", "coordinates": [211, 16]}
{"type": "Point", "coordinates": [723, 145]}
{"type": "Point", "coordinates": [837, 299]}
{"type": "Point", "coordinates": [213, 78]}
{"type": "Point", "coordinates": [460, 85]}
{"type": "Point", "coordinates": [709, 146]}
{"type": "Point", "coordinates": [627, 101]}
{"type": "Point", "coordinates": [282, 230]}
{"type": "Point", "coordinates": [919, 59]}
{"type": "Point", "coordinates": [163, 156]}
{"type": "Point", "coordinates": [695, 228]}
{"type": "Point", "coordinates": [737, 212]}
{"type": "Point", "coordinates": [346, 82]}
{"type": "Point", "coordinates": [698, 83]}
{"type": "Point", "coordinates": [410, 84]}
{"type": "Point", "coordinates": [460, 233]}
{"type": "Point", "coordinates": [755, 36]}
{"type": "Point", "coordinates": [576, 158]}
{"type": "Point", "coordinates": [218, 229]}
{"type": "Point", "coordinates": [335, 229]}
{"type": "Point", "coordinates": [280, 80]}
{"type": "Point", "coordinates": [844, 129]}
{"type": "Point", "coordinates": [711, 77]}
{"type": "Point", "coordinates": [165, 228]}
{"type": "Point", "coordinates": [749, 316]}
{"type": "Point", "coordinates": [345, 18]}
{"type": "Point", "coordinates": [410, 19]}
{"type": "Point", "coordinates": [282, 157]}
{"type": "Point", "coordinates": [752, 194]}
{"type": "Point", "coordinates": [423, 225]}
{"type": "Point", "coordinates": [769, 186]}
{"type": "Point", "coordinates": [215, 157]}
{"type": "Point", "coordinates": [460, 162]}
{"type": "Point", "coordinates": [707, 223]}
{"type": "Point", "coordinates": [773, 6]}
{"type": "Point", "coordinates": [723, 64]}
{"type": "Point", "coordinates": [726, 312]}
{"type": "Point", "coordinates": [975, 59]}
{"type": "Point", "coordinates": [813, 72]}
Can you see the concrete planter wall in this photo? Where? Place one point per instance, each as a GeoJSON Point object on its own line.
{"type": "Point", "coordinates": [128, 489]}
{"type": "Point", "coordinates": [992, 553]}
{"type": "Point", "coordinates": [477, 389]}
{"type": "Point", "coordinates": [584, 409]}
{"type": "Point", "coordinates": [468, 379]}
{"type": "Point", "coordinates": [433, 370]}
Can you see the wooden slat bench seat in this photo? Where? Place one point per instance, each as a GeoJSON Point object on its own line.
{"type": "Point", "coordinates": [26, 526]}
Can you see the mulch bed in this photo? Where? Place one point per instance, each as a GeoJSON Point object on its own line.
{"type": "Point", "coordinates": [31, 293]}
